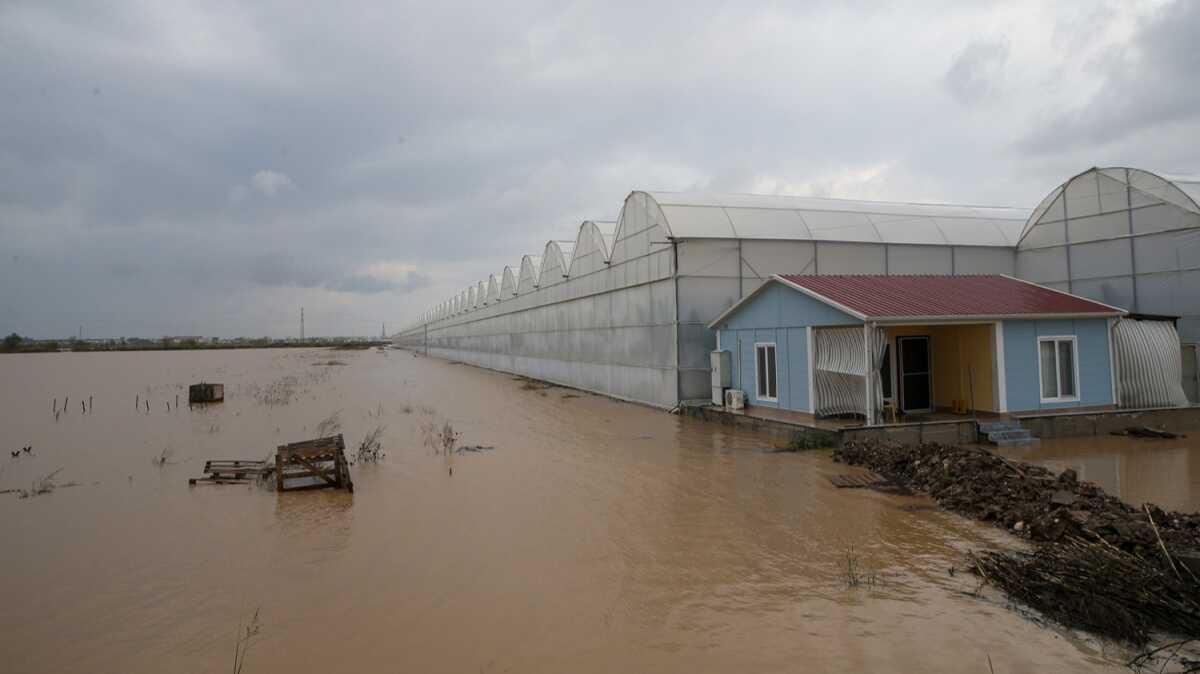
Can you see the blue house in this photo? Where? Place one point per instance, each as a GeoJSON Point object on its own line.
{"type": "Point", "coordinates": [893, 345]}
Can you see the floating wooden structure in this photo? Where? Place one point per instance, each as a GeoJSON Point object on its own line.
{"type": "Point", "coordinates": [313, 464]}
{"type": "Point", "coordinates": [206, 393]}
{"type": "Point", "coordinates": [231, 471]}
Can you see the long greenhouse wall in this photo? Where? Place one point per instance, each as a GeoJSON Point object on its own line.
{"type": "Point", "coordinates": [612, 330]}
{"type": "Point", "coordinates": [616, 331]}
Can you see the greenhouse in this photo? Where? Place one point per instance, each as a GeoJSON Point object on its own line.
{"type": "Point", "coordinates": [624, 308]}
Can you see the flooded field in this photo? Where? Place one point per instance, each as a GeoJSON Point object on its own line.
{"type": "Point", "coordinates": [596, 536]}
{"type": "Point", "coordinates": [1138, 470]}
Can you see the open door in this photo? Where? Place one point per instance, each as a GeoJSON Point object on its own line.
{"type": "Point", "coordinates": [915, 373]}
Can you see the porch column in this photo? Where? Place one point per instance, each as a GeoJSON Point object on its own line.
{"type": "Point", "coordinates": [1001, 386]}
{"type": "Point", "coordinates": [868, 380]}
{"type": "Point", "coordinates": [812, 389]}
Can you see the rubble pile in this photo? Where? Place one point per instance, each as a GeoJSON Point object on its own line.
{"type": "Point", "coordinates": [1099, 563]}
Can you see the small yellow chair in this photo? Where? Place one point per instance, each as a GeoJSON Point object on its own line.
{"type": "Point", "coordinates": [889, 411]}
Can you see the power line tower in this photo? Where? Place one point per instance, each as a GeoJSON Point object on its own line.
{"type": "Point", "coordinates": [302, 324]}
{"type": "Point", "coordinates": [383, 331]}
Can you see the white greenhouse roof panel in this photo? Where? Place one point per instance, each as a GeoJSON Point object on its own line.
{"type": "Point", "coordinates": [1103, 191]}
{"type": "Point", "coordinates": [752, 216]}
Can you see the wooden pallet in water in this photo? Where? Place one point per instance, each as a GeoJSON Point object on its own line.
{"type": "Point", "coordinates": [231, 471]}
{"type": "Point", "coordinates": [313, 464]}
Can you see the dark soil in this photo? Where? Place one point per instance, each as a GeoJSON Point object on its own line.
{"type": "Point", "coordinates": [1029, 500]}
{"type": "Point", "coordinates": [1100, 564]}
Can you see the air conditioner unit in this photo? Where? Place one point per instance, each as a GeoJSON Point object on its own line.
{"type": "Point", "coordinates": [735, 399]}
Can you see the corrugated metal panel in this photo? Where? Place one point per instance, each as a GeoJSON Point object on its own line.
{"type": "Point", "coordinates": [1149, 364]}
{"type": "Point", "coordinates": [948, 296]}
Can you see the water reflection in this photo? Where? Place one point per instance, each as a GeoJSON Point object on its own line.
{"type": "Point", "coordinates": [1138, 470]}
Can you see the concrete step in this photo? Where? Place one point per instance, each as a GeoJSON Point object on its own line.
{"type": "Point", "coordinates": [1001, 425]}
{"type": "Point", "coordinates": [1011, 436]}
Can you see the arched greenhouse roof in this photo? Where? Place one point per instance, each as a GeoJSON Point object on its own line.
{"type": "Point", "coordinates": [1098, 191]}
{"type": "Point", "coordinates": [508, 281]}
{"type": "Point", "coordinates": [527, 280]}
{"type": "Point", "coordinates": [751, 216]}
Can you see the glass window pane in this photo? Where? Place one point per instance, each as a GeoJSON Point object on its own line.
{"type": "Point", "coordinates": [772, 390]}
{"type": "Point", "coordinates": [885, 372]}
{"type": "Point", "coordinates": [914, 355]}
{"type": "Point", "coordinates": [1049, 370]}
{"type": "Point", "coordinates": [761, 373]}
{"type": "Point", "coordinates": [1066, 368]}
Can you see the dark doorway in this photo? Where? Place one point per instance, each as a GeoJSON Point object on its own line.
{"type": "Point", "coordinates": [915, 374]}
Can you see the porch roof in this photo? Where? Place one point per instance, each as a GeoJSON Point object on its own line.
{"type": "Point", "coordinates": [930, 298]}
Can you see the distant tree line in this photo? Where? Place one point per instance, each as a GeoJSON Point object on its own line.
{"type": "Point", "coordinates": [15, 343]}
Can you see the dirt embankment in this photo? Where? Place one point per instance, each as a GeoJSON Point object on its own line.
{"type": "Point", "coordinates": [1099, 564]}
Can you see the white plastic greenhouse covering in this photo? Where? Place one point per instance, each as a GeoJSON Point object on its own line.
{"type": "Point", "coordinates": [1123, 236]}
{"type": "Point", "coordinates": [742, 216]}
{"type": "Point", "coordinates": [1149, 364]}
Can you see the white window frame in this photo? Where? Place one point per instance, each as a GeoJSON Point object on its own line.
{"type": "Point", "coordinates": [1058, 369]}
{"type": "Point", "coordinates": [773, 376]}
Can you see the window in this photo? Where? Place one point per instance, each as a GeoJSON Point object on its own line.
{"type": "Point", "coordinates": [1058, 369]}
{"type": "Point", "coordinates": [764, 357]}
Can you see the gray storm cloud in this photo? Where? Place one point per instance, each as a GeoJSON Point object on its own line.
{"type": "Point", "coordinates": [175, 167]}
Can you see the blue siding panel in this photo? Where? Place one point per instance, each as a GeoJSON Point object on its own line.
{"type": "Point", "coordinates": [797, 370]}
{"type": "Point", "coordinates": [746, 346]}
{"type": "Point", "coordinates": [791, 356]}
{"type": "Point", "coordinates": [1021, 362]}
{"type": "Point", "coordinates": [779, 306]}
{"type": "Point", "coordinates": [1095, 368]}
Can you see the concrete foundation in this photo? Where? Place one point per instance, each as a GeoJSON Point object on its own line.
{"type": "Point", "coordinates": [964, 431]}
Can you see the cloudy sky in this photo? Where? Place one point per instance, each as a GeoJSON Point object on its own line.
{"type": "Point", "coordinates": [171, 167]}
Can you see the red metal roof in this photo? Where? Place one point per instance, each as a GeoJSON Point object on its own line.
{"type": "Point", "coordinates": [944, 296]}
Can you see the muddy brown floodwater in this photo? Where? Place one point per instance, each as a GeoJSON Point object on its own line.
{"type": "Point", "coordinates": [597, 536]}
{"type": "Point", "coordinates": [1137, 470]}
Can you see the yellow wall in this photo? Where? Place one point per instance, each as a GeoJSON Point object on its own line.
{"type": "Point", "coordinates": [958, 354]}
